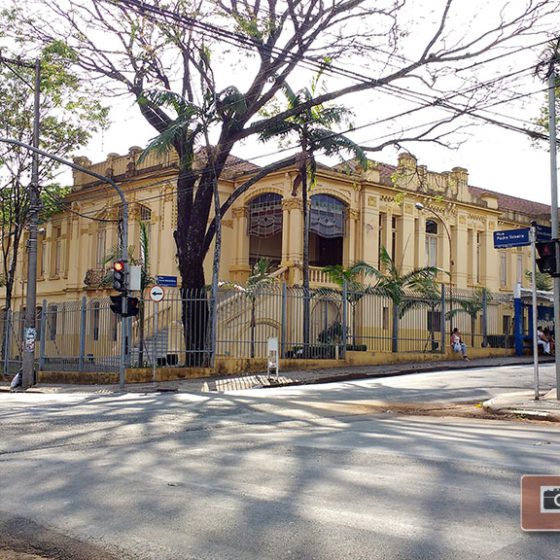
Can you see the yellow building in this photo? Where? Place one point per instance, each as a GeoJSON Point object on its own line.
{"type": "Point", "coordinates": [352, 215]}
{"type": "Point", "coordinates": [421, 217]}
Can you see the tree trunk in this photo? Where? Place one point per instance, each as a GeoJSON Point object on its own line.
{"type": "Point", "coordinates": [10, 278]}
{"type": "Point", "coordinates": [253, 327]}
{"type": "Point", "coordinates": [395, 335]}
{"type": "Point", "coordinates": [473, 327]}
{"type": "Point", "coordinates": [188, 238]}
{"type": "Point", "coordinates": [353, 306]}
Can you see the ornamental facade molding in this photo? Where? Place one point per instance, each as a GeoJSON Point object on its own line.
{"type": "Point", "coordinates": [240, 212]}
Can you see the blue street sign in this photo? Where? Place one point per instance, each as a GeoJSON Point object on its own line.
{"type": "Point", "coordinates": [168, 281]}
{"type": "Point", "coordinates": [544, 233]}
{"type": "Point", "coordinates": [511, 238]}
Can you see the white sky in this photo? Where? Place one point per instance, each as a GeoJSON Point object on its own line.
{"type": "Point", "coordinates": [497, 159]}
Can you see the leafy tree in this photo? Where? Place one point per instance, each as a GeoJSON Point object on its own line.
{"type": "Point", "coordinates": [68, 117]}
{"type": "Point", "coordinates": [393, 284]}
{"type": "Point", "coordinates": [312, 127]}
{"type": "Point", "coordinates": [542, 280]}
{"type": "Point", "coordinates": [355, 289]}
{"type": "Point", "coordinates": [550, 61]}
{"type": "Point", "coordinates": [472, 307]}
{"type": "Point", "coordinates": [132, 45]}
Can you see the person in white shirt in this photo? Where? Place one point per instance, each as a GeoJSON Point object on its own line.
{"type": "Point", "coordinates": [457, 343]}
{"type": "Point", "coordinates": [542, 340]}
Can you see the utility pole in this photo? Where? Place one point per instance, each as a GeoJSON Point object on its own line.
{"type": "Point", "coordinates": [554, 198]}
{"type": "Point", "coordinates": [29, 330]}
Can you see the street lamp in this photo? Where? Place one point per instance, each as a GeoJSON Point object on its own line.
{"type": "Point", "coordinates": [421, 207]}
{"type": "Point", "coordinates": [32, 279]}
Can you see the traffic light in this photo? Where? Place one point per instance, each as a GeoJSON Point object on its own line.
{"type": "Point", "coordinates": [119, 276]}
{"type": "Point", "coordinates": [547, 257]}
{"type": "Point", "coordinates": [116, 304]}
{"type": "Point", "coordinates": [132, 305]}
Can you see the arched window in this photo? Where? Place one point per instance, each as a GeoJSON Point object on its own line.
{"type": "Point", "coordinates": [265, 228]}
{"type": "Point", "coordinates": [327, 216]}
{"type": "Point", "coordinates": [431, 243]}
{"type": "Point", "coordinates": [265, 215]}
{"type": "Point", "coordinates": [326, 230]}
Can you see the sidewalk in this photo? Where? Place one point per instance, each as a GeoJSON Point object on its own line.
{"type": "Point", "coordinates": [293, 377]}
{"type": "Point", "coordinates": [524, 404]}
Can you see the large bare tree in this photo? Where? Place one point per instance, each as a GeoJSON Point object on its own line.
{"type": "Point", "coordinates": [244, 51]}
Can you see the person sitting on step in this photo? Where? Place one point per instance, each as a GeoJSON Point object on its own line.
{"type": "Point", "coordinates": [457, 343]}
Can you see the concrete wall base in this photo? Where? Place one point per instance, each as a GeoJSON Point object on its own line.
{"type": "Point", "coordinates": [238, 366]}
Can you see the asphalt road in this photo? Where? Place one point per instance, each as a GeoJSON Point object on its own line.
{"type": "Point", "coordinates": [314, 472]}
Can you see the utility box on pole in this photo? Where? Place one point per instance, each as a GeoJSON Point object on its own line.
{"type": "Point", "coordinates": [135, 278]}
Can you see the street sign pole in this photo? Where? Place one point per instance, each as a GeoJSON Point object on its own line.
{"type": "Point", "coordinates": [534, 294]}
{"type": "Point", "coordinates": [554, 201]}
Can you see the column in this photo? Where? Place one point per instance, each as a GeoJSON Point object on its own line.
{"type": "Point", "coordinates": [369, 249]}
{"type": "Point", "coordinates": [490, 279]}
{"type": "Point", "coordinates": [286, 226]}
{"type": "Point", "coordinates": [240, 270]}
{"type": "Point", "coordinates": [405, 239]}
{"type": "Point", "coordinates": [459, 249]}
{"type": "Point", "coordinates": [349, 255]}
{"type": "Point", "coordinates": [295, 238]}
{"type": "Point", "coordinates": [78, 254]}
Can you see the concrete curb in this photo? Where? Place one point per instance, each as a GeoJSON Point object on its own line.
{"type": "Point", "coordinates": [523, 404]}
{"type": "Point", "coordinates": [287, 378]}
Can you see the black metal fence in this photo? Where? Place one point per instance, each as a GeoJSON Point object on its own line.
{"type": "Point", "coordinates": [86, 335]}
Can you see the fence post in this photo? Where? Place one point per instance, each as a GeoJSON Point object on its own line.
{"type": "Point", "coordinates": [43, 331]}
{"type": "Point", "coordinates": [442, 321]}
{"type": "Point", "coordinates": [7, 329]}
{"type": "Point", "coordinates": [344, 318]}
{"type": "Point", "coordinates": [283, 323]}
{"type": "Point", "coordinates": [81, 358]}
{"type": "Point", "coordinates": [484, 318]}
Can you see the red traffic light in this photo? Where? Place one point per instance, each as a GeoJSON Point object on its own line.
{"type": "Point", "coordinates": [119, 276]}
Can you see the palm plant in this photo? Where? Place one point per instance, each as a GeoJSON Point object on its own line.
{"type": "Point", "coordinates": [313, 128]}
{"type": "Point", "coordinates": [472, 307]}
{"type": "Point", "coordinates": [393, 284]}
{"type": "Point", "coordinates": [350, 277]}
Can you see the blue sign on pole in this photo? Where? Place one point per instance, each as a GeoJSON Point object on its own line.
{"type": "Point", "coordinates": [511, 238]}
{"type": "Point", "coordinates": [544, 233]}
{"type": "Point", "coordinates": [167, 281]}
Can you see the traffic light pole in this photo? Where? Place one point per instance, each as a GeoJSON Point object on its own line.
{"type": "Point", "coordinates": [554, 203]}
{"type": "Point", "coordinates": [124, 233]}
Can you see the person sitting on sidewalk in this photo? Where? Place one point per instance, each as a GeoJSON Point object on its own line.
{"type": "Point", "coordinates": [457, 343]}
{"type": "Point", "coordinates": [543, 340]}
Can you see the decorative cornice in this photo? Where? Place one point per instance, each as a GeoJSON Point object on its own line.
{"type": "Point", "coordinates": [292, 204]}
{"type": "Point", "coordinates": [240, 212]}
